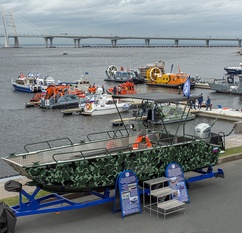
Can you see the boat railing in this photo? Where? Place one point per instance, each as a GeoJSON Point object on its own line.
{"type": "Point", "coordinates": [48, 144]}
{"type": "Point", "coordinates": [68, 152]}
{"type": "Point", "coordinates": [95, 150]}
{"type": "Point", "coordinates": [108, 134]}
{"type": "Point", "coordinates": [218, 80]}
{"type": "Point", "coordinates": [80, 154]}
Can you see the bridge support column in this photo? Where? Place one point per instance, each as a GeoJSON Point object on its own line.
{"type": "Point", "coordinates": [207, 43]}
{"type": "Point", "coordinates": [239, 43]}
{"type": "Point", "coordinates": [46, 42]}
{"type": "Point", "coordinates": [16, 42]}
{"type": "Point", "coordinates": [114, 43]}
{"type": "Point", "coordinates": [147, 42]}
{"type": "Point", "coordinates": [51, 42]}
{"type": "Point", "coordinates": [77, 43]}
{"type": "Point", "coordinates": [176, 43]}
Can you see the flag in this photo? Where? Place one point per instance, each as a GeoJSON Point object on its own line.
{"type": "Point", "coordinates": [186, 88]}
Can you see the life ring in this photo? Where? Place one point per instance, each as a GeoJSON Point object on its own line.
{"type": "Point", "coordinates": [88, 106]}
{"type": "Point", "coordinates": [142, 139]}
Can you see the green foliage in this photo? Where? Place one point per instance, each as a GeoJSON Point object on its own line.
{"type": "Point", "coordinates": [232, 151]}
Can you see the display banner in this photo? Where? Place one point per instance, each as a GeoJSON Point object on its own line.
{"type": "Point", "coordinates": [129, 193]}
{"type": "Point", "coordinates": [177, 182]}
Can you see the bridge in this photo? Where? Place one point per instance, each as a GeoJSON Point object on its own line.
{"type": "Point", "coordinates": [16, 27]}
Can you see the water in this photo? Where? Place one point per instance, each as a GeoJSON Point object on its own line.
{"type": "Point", "coordinates": [20, 125]}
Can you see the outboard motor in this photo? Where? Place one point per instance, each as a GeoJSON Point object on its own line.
{"type": "Point", "coordinates": [99, 91]}
{"type": "Point", "coordinates": [203, 131]}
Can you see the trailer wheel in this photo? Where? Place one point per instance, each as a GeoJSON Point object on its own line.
{"type": "Point", "coordinates": [7, 219]}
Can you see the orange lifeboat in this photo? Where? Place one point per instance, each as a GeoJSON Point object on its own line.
{"type": "Point", "coordinates": [124, 88]}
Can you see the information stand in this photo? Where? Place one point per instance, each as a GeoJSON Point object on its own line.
{"type": "Point", "coordinates": [175, 172]}
{"type": "Point", "coordinates": [127, 188]}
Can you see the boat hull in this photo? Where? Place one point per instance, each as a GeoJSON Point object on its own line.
{"type": "Point", "coordinates": [24, 88]}
{"type": "Point", "coordinates": [233, 71]}
{"type": "Point", "coordinates": [104, 110]}
{"type": "Point", "coordinates": [225, 88]}
{"type": "Point", "coordinates": [192, 85]}
{"type": "Point", "coordinates": [123, 80]}
{"type": "Point", "coordinates": [82, 174]}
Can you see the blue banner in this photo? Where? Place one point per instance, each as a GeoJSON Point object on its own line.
{"type": "Point", "coordinates": [129, 193]}
{"type": "Point", "coordinates": [175, 173]}
{"type": "Point", "coordinates": [186, 87]}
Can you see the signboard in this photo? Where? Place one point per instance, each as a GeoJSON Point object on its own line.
{"type": "Point", "coordinates": [129, 193]}
{"type": "Point", "coordinates": [175, 173]}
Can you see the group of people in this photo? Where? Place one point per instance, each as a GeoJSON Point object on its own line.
{"type": "Point", "coordinates": [200, 103]}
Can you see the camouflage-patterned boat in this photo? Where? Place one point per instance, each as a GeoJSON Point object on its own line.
{"type": "Point", "coordinates": [143, 147]}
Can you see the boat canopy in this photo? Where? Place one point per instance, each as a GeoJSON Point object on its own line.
{"type": "Point", "coordinates": [158, 97]}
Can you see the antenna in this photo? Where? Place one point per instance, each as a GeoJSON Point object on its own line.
{"type": "Point", "coordinates": [216, 118]}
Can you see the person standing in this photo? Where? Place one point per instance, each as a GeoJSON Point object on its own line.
{"type": "Point", "coordinates": [200, 101]}
{"type": "Point", "coordinates": [103, 89]}
{"type": "Point", "coordinates": [208, 104]}
{"type": "Point", "coordinates": [115, 90]}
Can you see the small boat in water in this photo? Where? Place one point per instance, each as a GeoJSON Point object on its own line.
{"type": "Point", "coordinates": [234, 70]}
{"type": "Point", "coordinates": [156, 76]}
{"type": "Point", "coordinates": [123, 89]}
{"type": "Point", "coordinates": [172, 113]}
{"type": "Point", "coordinates": [122, 76]}
{"type": "Point", "coordinates": [104, 105]}
{"type": "Point", "coordinates": [50, 99]}
{"type": "Point", "coordinates": [159, 64]}
{"type": "Point", "coordinates": [228, 85]}
{"type": "Point", "coordinates": [145, 148]}
{"type": "Point", "coordinates": [65, 101]}
{"type": "Point", "coordinates": [30, 83]}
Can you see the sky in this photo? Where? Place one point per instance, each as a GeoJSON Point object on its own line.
{"type": "Point", "coordinates": [161, 18]}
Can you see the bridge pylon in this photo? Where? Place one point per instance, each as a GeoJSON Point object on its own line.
{"type": "Point", "coordinates": [6, 40]}
{"type": "Point", "coordinates": [16, 27]}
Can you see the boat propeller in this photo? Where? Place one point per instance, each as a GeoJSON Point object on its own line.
{"type": "Point", "coordinates": [154, 73]}
{"type": "Point", "coordinates": [111, 71]}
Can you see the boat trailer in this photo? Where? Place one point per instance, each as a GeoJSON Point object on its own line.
{"type": "Point", "coordinates": [54, 202]}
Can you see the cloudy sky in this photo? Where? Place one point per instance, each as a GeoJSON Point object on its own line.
{"type": "Point", "coordinates": [189, 18]}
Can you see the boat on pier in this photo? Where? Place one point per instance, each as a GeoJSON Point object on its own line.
{"type": "Point", "coordinates": [141, 146]}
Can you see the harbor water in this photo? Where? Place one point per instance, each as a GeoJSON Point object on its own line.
{"type": "Point", "coordinates": [20, 125]}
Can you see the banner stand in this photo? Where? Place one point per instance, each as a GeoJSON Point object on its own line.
{"type": "Point", "coordinates": [175, 172]}
{"type": "Point", "coordinates": [126, 188]}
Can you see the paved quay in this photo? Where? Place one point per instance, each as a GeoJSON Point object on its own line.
{"type": "Point", "coordinates": [220, 113]}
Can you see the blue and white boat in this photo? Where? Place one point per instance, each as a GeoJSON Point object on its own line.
{"type": "Point", "coordinates": [122, 76]}
{"type": "Point", "coordinates": [31, 83]}
{"type": "Point", "coordinates": [234, 69]}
